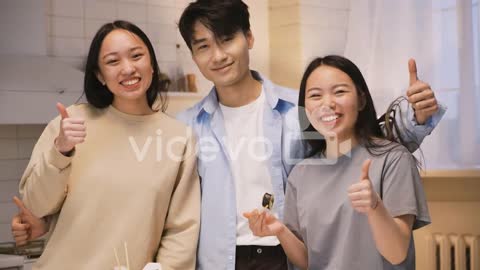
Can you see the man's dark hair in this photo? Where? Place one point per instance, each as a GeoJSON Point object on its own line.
{"type": "Point", "coordinates": [222, 17]}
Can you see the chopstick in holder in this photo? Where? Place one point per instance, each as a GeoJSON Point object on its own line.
{"type": "Point", "coordinates": [116, 258]}
{"type": "Point", "coordinates": [126, 254]}
{"type": "Point", "coordinates": [126, 257]}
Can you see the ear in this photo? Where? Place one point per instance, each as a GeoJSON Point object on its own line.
{"type": "Point", "coordinates": [250, 39]}
{"type": "Point", "coordinates": [100, 78]}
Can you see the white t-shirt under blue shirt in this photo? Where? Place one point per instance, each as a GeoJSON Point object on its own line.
{"type": "Point", "coordinates": [249, 153]}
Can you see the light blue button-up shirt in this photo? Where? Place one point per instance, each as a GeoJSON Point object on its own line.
{"type": "Point", "coordinates": [217, 242]}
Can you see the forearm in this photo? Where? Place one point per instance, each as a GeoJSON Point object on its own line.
{"type": "Point", "coordinates": [391, 237]}
{"type": "Point", "coordinates": [179, 240]}
{"type": "Point", "coordinates": [43, 185]}
{"type": "Point", "coordinates": [178, 246]}
{"type": "Point", "coordinates": [294, 248]}
{"type": "Point", "coordinates": [411, 132]}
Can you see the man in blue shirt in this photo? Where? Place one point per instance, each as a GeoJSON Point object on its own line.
{"type": "Point", "coordinates": [244, 110]}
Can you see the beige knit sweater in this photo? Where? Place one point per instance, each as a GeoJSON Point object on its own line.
{"type": "Point", "coordinates": [133, 180]}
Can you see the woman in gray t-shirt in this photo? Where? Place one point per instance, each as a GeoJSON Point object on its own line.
{"type": "Point", "coordinates": [354, 203]}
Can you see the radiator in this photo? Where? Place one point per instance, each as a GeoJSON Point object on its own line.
{"type": "Point", "coordinates": [453, 252]}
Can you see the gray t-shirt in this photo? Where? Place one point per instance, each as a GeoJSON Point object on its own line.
{"type": "Point", "coordinates": [318, 210]}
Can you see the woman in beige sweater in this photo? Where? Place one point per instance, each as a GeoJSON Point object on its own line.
{"type": "Point", "coordinates": [116, 171]}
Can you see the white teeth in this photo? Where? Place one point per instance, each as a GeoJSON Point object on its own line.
{"type": "Point", "coordinates": [329, 118]}
{"type": "Point", "coordinates": [131, 82]}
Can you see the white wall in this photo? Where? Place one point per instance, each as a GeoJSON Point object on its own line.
{"type": "Point", "coordinates": [301, 30]}
{"type": "Point", "coordinates": [23, 27]}
{"type": "Point", "coordinates": [259, 23]}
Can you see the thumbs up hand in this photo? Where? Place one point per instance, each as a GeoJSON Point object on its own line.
{"type": "Point", "coordinates": [362, 194]}
{"type": "Point", "coordinates": [420, 95]}
{"type": "Point", "coordinates": [72, 131]}
{"type": "Point", "coordinates": [26, 226]}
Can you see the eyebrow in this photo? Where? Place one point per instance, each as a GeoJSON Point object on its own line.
{"type": "Point", "coordinates": [130, 50]}
{"type": "Point", "coordinates": [314, 88]}
{"type": "Point", "coordinates": [335, 86]}
{"type": "Point", "coordinates": [341, 84]}
{"type": "Point", "coordinates": [196, 41]}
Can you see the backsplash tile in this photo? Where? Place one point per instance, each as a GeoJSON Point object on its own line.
{"type": "Point", "coordinates": [5, 233]}
{"type": "Point", "coordinates": [9, 209]}
{"type": "Point", "coordinates": [29, 131]}
{"type": "Point", "coordinates": [12, 169]}
{"type": "Point", "coordinates": [25, 147]}
{"type": "Point", "coordinates": [9, 149]}
{"type": "Point", "coordinates": [8, 189]}
{"type": "Point", "coordinates": [8, 131]}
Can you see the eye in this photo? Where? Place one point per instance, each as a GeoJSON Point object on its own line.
{"type": "Point", "coordinates": [202, 47]}
{"type": "Point", "coordinates": [227, 38]}
{"type": "Point", "coordinates": [315, 95]}
{"type": "Point", "coordinates": [112, 61]}
{"type": "Point", "coordinates": [137, 56]}
{"type": "Point", "coordinates": [340, 92]}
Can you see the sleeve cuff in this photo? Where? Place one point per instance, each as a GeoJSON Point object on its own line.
{"type": "Point", "coordinates": [431, 122]}
{"type": "Point", "coordinates": [57, 159]}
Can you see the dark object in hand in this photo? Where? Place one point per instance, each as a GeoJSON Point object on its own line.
{"type": "Point", "coordinates": [267, 201]}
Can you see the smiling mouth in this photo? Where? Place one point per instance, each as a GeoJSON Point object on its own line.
{"type": "Point", "coordinates": [222, 68]}
{"type": "Point", "coordinates": [327, 119]}
{"type": "Point", "coordinates": [130, 82]}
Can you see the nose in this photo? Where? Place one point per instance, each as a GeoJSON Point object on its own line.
{"type": "Point", "coordinates": [219, 54]}
{"type": "Point", "coordinates": [329, 101]}
{"type": "Point", "coordinates": [128, 67]}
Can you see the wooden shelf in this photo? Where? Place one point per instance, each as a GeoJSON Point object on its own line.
{"type": "Point", "coordinates": [459, 173]}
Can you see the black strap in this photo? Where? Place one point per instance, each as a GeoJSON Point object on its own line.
{"type": "Point", "coordinates": [382, 177]}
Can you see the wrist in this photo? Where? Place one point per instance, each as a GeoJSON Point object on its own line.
{"type": "Point", "coordinates": [67, 153]}
{"type": "Point", "coordinates": [375, 205]}
{"type": "Point", "coordinates": [282, 231]}
{"type": "Point", "coordinates": [420, 122]}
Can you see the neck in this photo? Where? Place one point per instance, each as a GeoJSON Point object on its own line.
{"type": "Point", "coordinates": [133, 107]}
{"type": "Point", "coordinates": [337, 147]}
{"type": "Point", "coordinates": [241, 93]}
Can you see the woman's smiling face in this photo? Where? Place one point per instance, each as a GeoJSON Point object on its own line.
{"type": "Point", "coordinates": [125, 66]}
{"type": "Point", "coordinates": [332, 102]}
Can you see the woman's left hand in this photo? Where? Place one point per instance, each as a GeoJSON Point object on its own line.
{"type": "Point", "coordinates": [362, 195]}
{"type": "Point", "coordinates": [421, 96]}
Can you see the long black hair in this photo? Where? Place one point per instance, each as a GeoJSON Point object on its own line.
{"type": "Point", "coordinates": [367, 128]}
{"type": "Point", "coordinates": [98, 94]}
